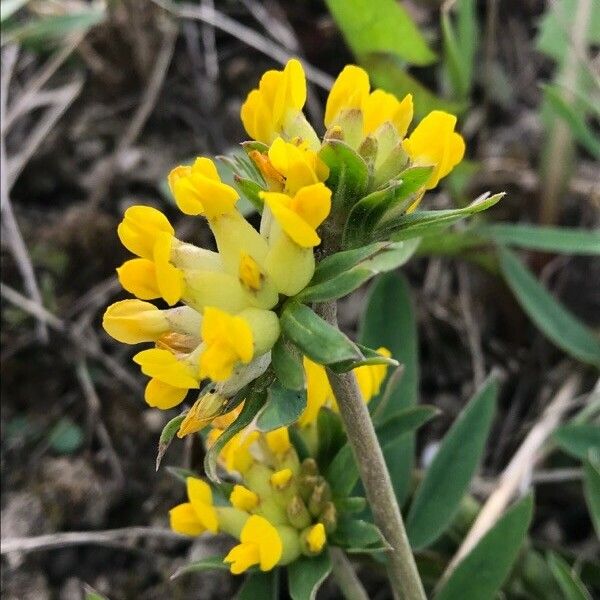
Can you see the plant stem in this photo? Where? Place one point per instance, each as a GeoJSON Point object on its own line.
{"type": "Point", "coordinates": [345, 577]}
{"type": "Point", "coordinates": [402, 570]}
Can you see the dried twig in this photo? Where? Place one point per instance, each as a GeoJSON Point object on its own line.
{"type": "Point", "coordinates": [519, 470]}
{"type": "Point", "coordinates": [244, 34]}
{"type": "Point", "coordinates": [78, 538]}
{"type": "Point", "coordinates": [84, 344]}
{"type": "Point", "coordinates": [9, 222]}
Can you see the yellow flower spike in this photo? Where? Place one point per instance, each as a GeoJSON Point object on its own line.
{"type": "Point", "coordinates": [198, 190]}
{"type": "Point", "coordinates": [370, 377]}
{"type": "Point", "coordinates": [300, 216]}
{"type": "Point", "coordinates": [434, 142]}
{"type": "Point", "coordinates": [260, 545]}
{"type": "Point", "coordinates": [134, 321]}
{"type": "Point", "coordinates": [316, 538]}
{"type": "Point", "coordinates": [243, 498]}
{"type": "Point", "coordinates": [349, 91]}
{"type": "Point", "coordinates": [281, 479]}
{"type": "Point", "coordinates": [318, 392]}
{"type": "Point", "coordinates": [228, 340]}
{"type": "Point", "coordinates": [140, 227]}
{"type": "Point", "coordinates": [138, 277]}
{"type": "Point", "coordinates": [162, 395]}
{"type": "Point", "coordinates": [200, 497]}
{"type": "Point", "coordinates": [164, 366]}
{"type": "Point", "coordinates": [278, 441]}
{"type": "Point", "coordinates": [280, 96]}
{"type": "Point", "coordinates": [380, 107]}
{"type": "Point", "coordinates": [299, 165]}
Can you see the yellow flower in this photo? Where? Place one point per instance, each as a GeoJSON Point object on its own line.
{"type": "Point", "coordinates": [434, 142]}
{"type": "Point", "coordinates": [243, 498]}
{"type": "Point", "coordinates": [380, 107]}
{"type": "Point", "coordinates": [139, 229]}
{"type": "Point", "coordinates": [316, 538]}
{"type": "Point", "coordinates": [198, 190]}
{"type": "Point", "coordinates": [197, 515]}
{"type": "Point", "coordinates": [299, 216]}
{"type": "Point", "coordinates": [162, 395]}
{"type": "Point", "coordinates": [232, 339]}
{"type": "Point", "coordinates": [278, 440]}
{"type": "Point", "coordinates": [349, 91]}
{"type": "Point", "coordinates": [298, 164]}
{"type": "Point", "coordinates": [318, 392]}
{"type": "Point", "coordinates": [281, 479]}
{"type": "Point", "coordinates": [134, 321]}
{"type": "Point", "coordinates": [370, 377]}
{"type": "Point", "coordinates": [279, 98]}
{"type": "Point", "coordinates": [201, 413]}
{"type": "Point", "coordinates": [260, 545]}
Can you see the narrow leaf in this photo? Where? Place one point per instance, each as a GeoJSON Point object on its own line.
{"type": "Point", "coordinates": [447, 479]}
{"type": "Point", "coordinates": [206, 564]}
{"type": "Point", "coordinates": [389, 320]}
{"type": "Point", "coordinates": [305, 576]}
{"type": "Point", "coordinates": [318, 340]}
{"type": "Point", "coordinates": [356, 535]}
{"type": "Point", "coordinates": [166, 436]}
{"type": "Point", "coordinates": [569, 240]}
{"type": "Point", "coordinates": [559, 325]}
{"type": "Point", "coordinates": [578, 439]}
{"type": "Point", "coordinates": [383, 27]}
{"type": "Point", "coordinates": [591, 489]}
{"type": "Point", "coordinates": [568, 581]}
{"type": "Point", "coordinates": [282, 408]}
{"type": "Point", "coordinates": [481, 573]}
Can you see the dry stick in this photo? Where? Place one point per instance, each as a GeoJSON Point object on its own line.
{"type": "Point", "coordinates": [518, 470]}
{"type": "Point", "coordinates": [144, 110]}
{"type": "Point", "coordinates": [39, 312]}
{"type": "Point", "coordinates": [402, 570]}
{"type": "Point", "coordinates": [245, 34]}
{"type": "Point", "coordinates": [77, 538]}
{"type": "Point", "coordinates": [345, 576]}
{"type": "Point", "coordinates": [9, 221]}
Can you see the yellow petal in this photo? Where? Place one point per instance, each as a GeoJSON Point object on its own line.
{"type": "Point", "coordinates": [168, 278]}
{"type": "Point", "coordinates": [139, 228]}
{"type": "Point", "coordinates": [278, 440]}
{"type": "Point", "coordinates": [134, 321]}
{"type": "Point", "coordinates": [281, 479]}
{"type": "Point", "coordinates": [259, 531]}
{"type": "Point", "coordinates": [162, 395]}
{"type": "Point", "coordinates": [165, 367]}
{"type": "Point", "coordinates": [316, 538]}
{"type": "Point", "coordinates": [242, 557]}
{"type": "Point", "coordinates": [370, 377]}
{"type": "Point", "coordinates": [313, 204]}
{"type": "Point", "coordinates": [243, 498]}
{"type": "Point", "coordinates": [200, 496]}
{"type": "Point", "coordinates": [138, 276]}
{"type": "Point", "coordinates": [291, 222]}
{"type": "Point", "coordinates": [184, 520]}
{"type": "Point", "coordinates": [349, 91]}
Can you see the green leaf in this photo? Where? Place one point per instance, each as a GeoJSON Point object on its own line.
{"type": "Point", "coordinates": [578, 439]}
{"type": "Point", "coordinates": [206, 564]}
{"type": "Point", "coordinates": [388, 257]}
{"type": "Point", "coordinates": [389, 320]}
{"type": "Point", "coordinates": [305, 576]}
{"type": "Point", "coordinates": [331, 436]}
{"type": "Point", "coordinates": [166, 437]}
{"type": "Point", "coordinates": [569, 240]}
{"type": "Point", "coordinates": [559, 325]}
{"type": "Point", "coordinates": [252, 405]}
{"type": "Point", "coordinates": [342, 473]}
{"type": "Point", "coordinates": [384, 27]}
{"type": "Point", "coordinates": [390, 74]}
{"type": "Point", "coordinates": [591, 489]}
{"type": "Point", "coordinates": [287, 364]}
{"type": "Point", "coordinates": [65, 437]}
{"type": "Point", "coordinates": [282, 408]}
{"type": "Point", "coordinates": [447, 479]}
{"type": "Point", "coordinates": [316, 338]}
{"type": "Point", "coordinates": [568, 581]}
{"type": "Point", "coordinates": [422, 222]}
{"type": "Point", "coordinates": [356, 535]}
{"type": "Point", "coordinates": [392, 200]}
{"type": "Point", "coordinates": [348, 174]}
{"type": "Point", "coordinates": [350, 504]}
{"type": "Point", "coordinates": [481, 573]}
{"type": "Point", "coordinates": [260, 585]}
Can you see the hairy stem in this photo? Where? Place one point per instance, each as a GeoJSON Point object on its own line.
{"type": "Point", "coordinates": [402, 570]}
{"type": "Point", "coordinates": [345, 577]}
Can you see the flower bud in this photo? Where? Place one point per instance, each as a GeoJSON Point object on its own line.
{"type": "Point", "coordinates": [328, 517]}
{"type": "Point", "coordinates": [306, 485]}
{"type": "Point", "coordinates": [297, 513]}
{"type": "Point", "coordinates": [309, 467]}
{"type": "Point", "coordinates": [320, 496]}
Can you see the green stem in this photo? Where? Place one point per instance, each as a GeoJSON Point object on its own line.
{"type": "Point", "coordinates": [345, 577]}
{"type": "Point", "coordinates": [402, 569]}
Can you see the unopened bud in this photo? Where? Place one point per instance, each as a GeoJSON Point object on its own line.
{"type": "Point", "coordinates": [309, 467]}
{"type": "Point", "coordinates": [368, 150]}
{"type": "Point", "coordinates": [328, 517]}
{"type": "Point", "coordinates": [335, 132]}
{"type": "Point", "coordinates": [297, 513]}
{"type": "Point", "coordinates": [306, 485]}
{"type": "Point", "coordinates": [320, 496]}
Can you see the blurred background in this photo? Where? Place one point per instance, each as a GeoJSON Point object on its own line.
{"type": "Point", "coordinates": [100, 99]}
